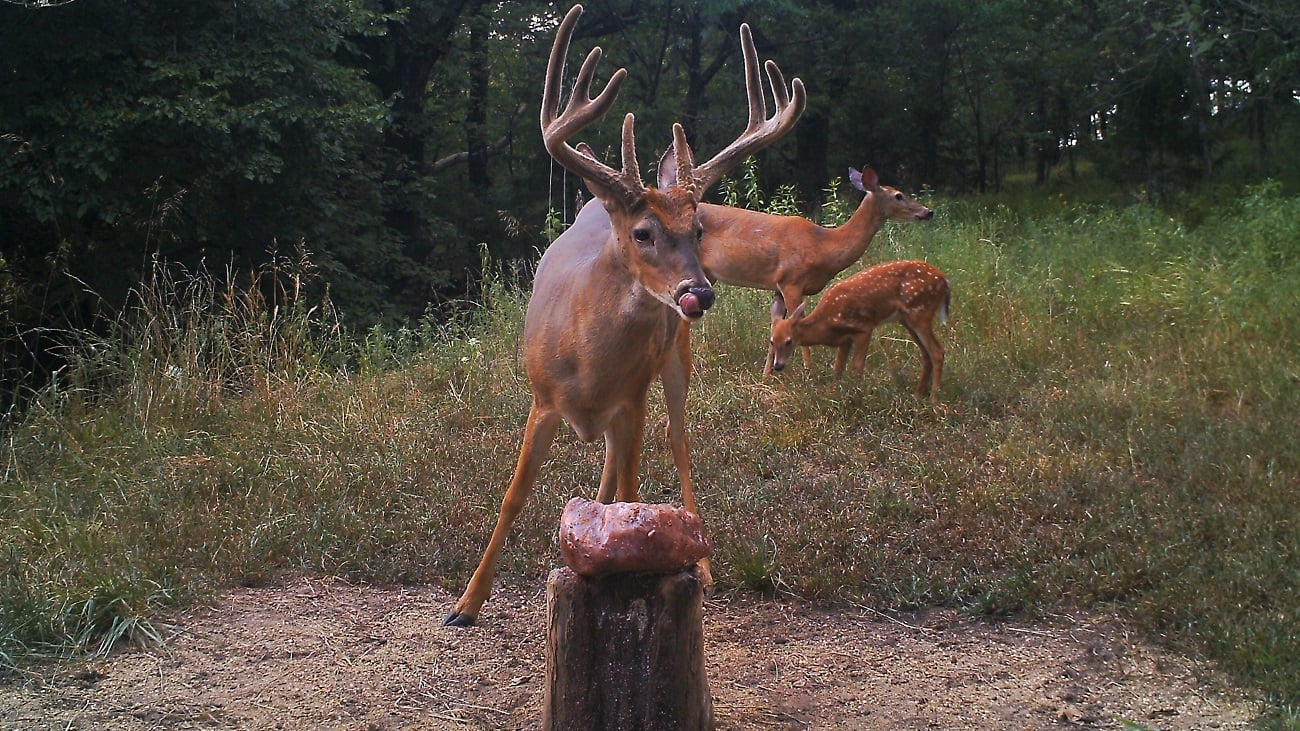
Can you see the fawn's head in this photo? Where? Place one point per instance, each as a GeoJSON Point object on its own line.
{"type": "Point", "coordinates": [782, 342]}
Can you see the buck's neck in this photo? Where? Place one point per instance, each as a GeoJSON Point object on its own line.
{"type": "Point", "coordinates": [586, 305]}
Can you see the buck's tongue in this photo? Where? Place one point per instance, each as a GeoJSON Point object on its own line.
{"type": "Point", "coordinates": [690, 304]}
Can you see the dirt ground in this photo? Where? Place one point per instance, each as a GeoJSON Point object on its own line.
{"type": "Point", "coordinates": [312, 654]}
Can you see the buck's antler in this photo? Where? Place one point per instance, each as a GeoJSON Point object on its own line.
{"type": "Point", "coordinates": [761, 131]}
{"type": "Point", "coordinates": [582, 111]}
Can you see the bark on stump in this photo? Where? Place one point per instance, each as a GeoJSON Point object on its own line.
{"type": "Point", "coordinates": [626, 653]}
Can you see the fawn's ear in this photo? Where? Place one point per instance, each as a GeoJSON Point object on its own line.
{"type": "Point", "coordinates": [798, 311]}
{"type": "Point", "coordinates": [778, 308]}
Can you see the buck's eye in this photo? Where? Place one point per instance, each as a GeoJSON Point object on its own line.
{"type": "Point", "coordinates": [898, 196]}
{"type": "Point", "coordinates": [641, 235]}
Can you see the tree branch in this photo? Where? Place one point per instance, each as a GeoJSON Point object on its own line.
{"type": "Point", "coordinates": [457, 158]}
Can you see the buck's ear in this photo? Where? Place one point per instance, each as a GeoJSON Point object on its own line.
{"type": "Point", "coordinates": [778, 308]}
{"type": "Point", "coordinates": [603, 194]}
{"type": "Point", "coordinates": [667, 169]}
{"type": "Point", "coordinates": [855, 179]}
{"type": "Point", "coordinates": [677, 166]}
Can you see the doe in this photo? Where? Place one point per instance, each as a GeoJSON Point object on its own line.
{"type": "Point", "coordinates": [791, 255]}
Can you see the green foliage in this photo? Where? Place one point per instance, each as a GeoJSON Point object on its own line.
{"type": "Point", "coordinates": [553, 226]}
{"type": "Point", "coordinates": [742, 191]}
{"type": "Point", "coordinates": [1270, 226]}
{"type": "Point", "coordinates": [836, 208]}
{"type": "Point", "coordinates": [745, 191]}
{"type": "Point", "coordinates": [208, 133]}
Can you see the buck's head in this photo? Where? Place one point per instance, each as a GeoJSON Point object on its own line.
{"type": "Point", "coordinates": [893, 204]}
{"type": "Point", "coordinates": [657, 227]}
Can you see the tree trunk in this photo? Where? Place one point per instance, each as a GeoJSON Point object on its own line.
{"type": "Point", "coordinates": [626, 652]}
{"type": "Point", "coordinates": [811, 151]}
{"type": "Point", "coordinates": [476, 142]}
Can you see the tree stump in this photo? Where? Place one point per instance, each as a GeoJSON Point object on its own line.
{"type": "Point", "coordinates": [626, 653]}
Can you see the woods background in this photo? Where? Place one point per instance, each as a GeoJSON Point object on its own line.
{"type": "Point", "coordinates": [372, 152]}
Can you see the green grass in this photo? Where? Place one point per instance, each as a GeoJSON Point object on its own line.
{"type": "Point", "coordinates": [1117, 432]}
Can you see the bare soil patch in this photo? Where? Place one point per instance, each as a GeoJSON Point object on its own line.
{"type": "Point", "coordinates": [320, 654]}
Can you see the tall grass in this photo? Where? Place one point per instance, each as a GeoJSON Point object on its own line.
{"type": "Point", "coordinates": [1117, 432]}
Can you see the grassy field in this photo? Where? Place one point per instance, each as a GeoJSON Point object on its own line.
{"type": "Point", "coordinates": [1118, 432]}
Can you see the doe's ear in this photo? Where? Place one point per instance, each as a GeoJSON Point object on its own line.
{"type": "Point", "coordinates": [855, 179]}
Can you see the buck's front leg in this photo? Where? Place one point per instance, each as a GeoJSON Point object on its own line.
{"type": "Point", "coordinates": [676, 378]}
{"type": "Point", "coordinates": [624, 436]}
{"type": "Point", "coordinates": [538, 435]}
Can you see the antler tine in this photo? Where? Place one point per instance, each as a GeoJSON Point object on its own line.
{"type": "Point", "coordinates": [760, 131]}
{"type": "Point", "coordinates": [582, 90]}
{"type": "Point", "coordinates": [753, 84]}
{"type": "Point", "coordinates": [629, 184]}
{"type": "Point", "coordinates": [555, 67]}
{"type": "Point", "coordinates": [581, 112]}
{"type": "Point", "coordinates": [631, 171]}
{"type": "Point", "coordinates": [685, 158]}
{"type": "Point", "coordinates": [777, 80]}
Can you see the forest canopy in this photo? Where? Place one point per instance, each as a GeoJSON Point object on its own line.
{"type": "Point", "coordinates": [387, 145]}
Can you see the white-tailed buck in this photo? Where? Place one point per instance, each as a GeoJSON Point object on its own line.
{"type": "Point", "coordinates": [612, 295]}
{"type": "Point", "coordinates": [791, 255]}
{"type": "Point", "coordinates": [909, 292]}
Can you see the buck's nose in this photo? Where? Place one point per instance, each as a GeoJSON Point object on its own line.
{"type": "Point", "coordinates": [705, 296]}
{"type": "Point", "coordinates": [695, 300]}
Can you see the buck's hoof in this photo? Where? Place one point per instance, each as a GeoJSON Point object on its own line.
{"type": "Point", "coordinates": [704, 573]}
{"type": "Point", "coordinates": [456, 619]}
